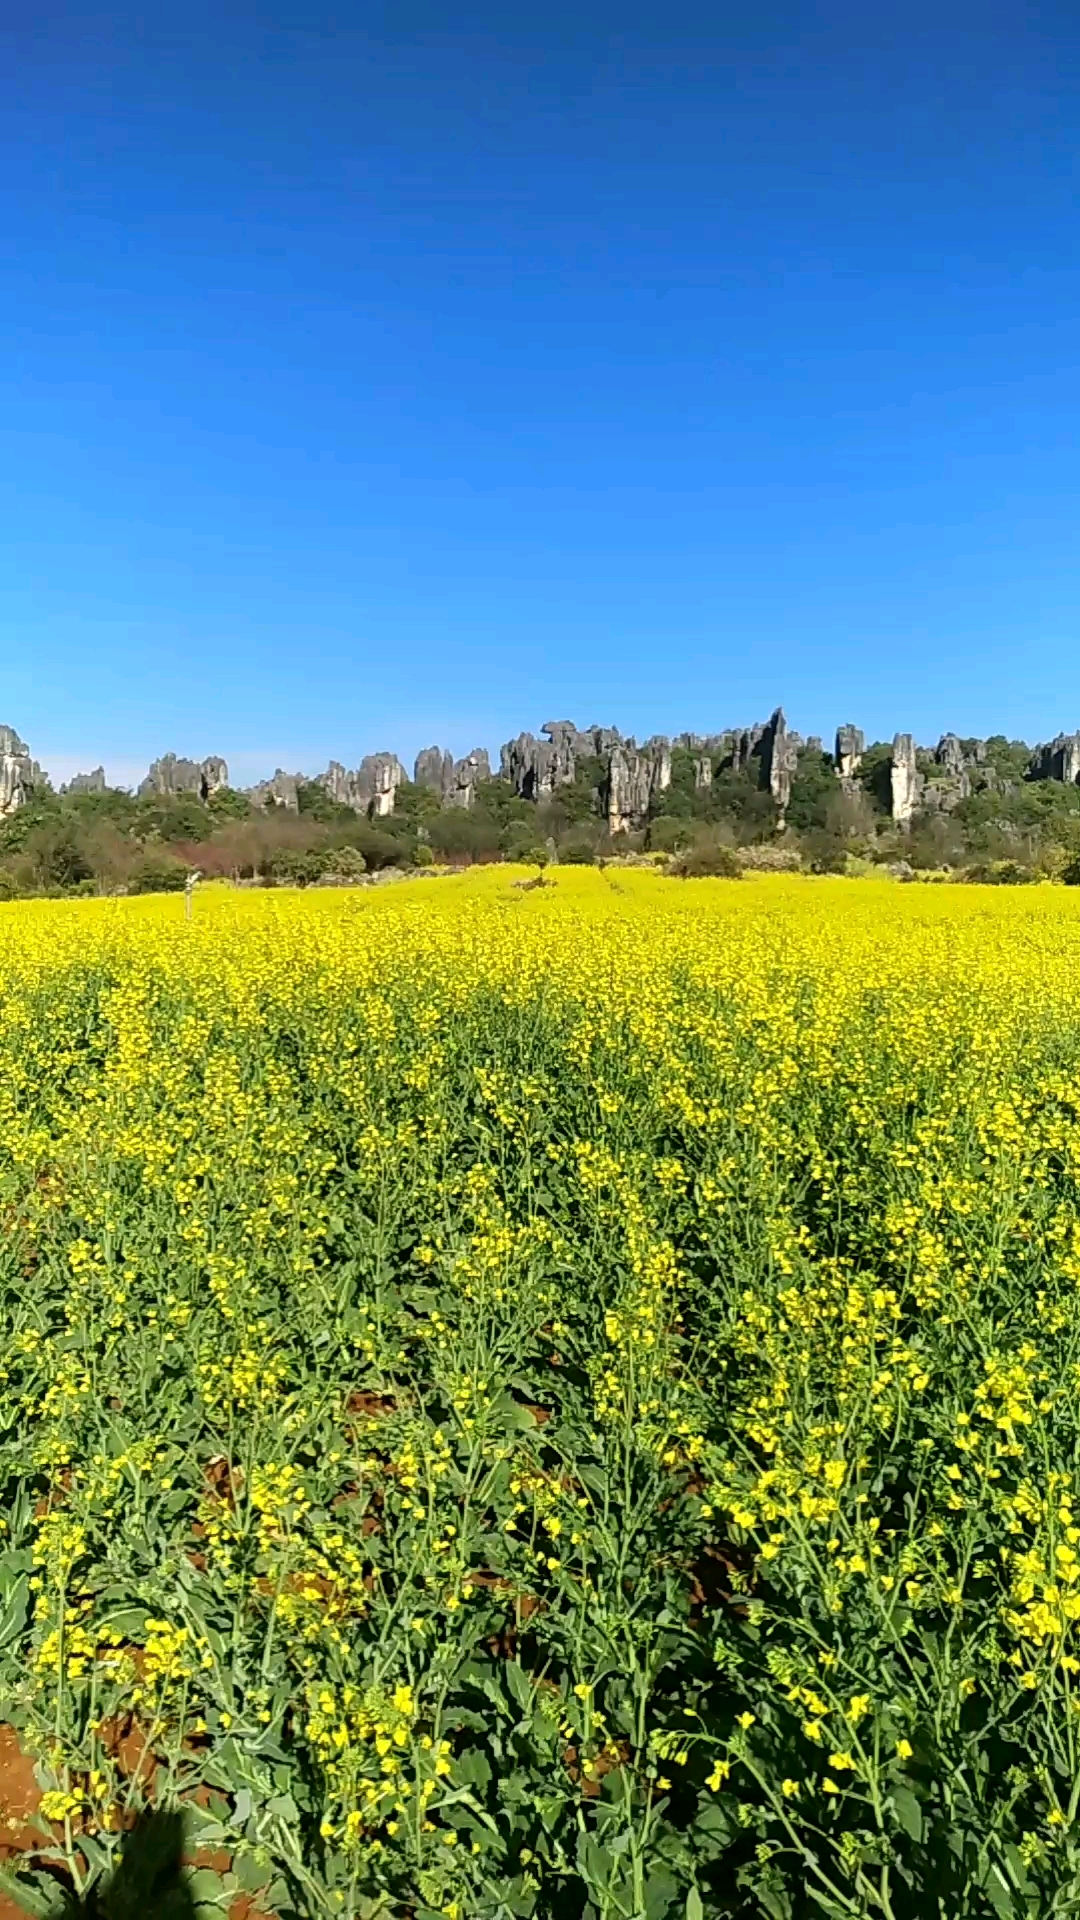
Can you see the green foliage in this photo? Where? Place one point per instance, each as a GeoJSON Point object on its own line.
{"type": "Point", "coordinates": [496, 801]}
{"type": "Point", "coordinates": [16, 830]}
{"type": "Point", "coordinates": [1008, 758]}
{"type": "Point", "coordinates": [160, 875]}
{"type": "Point", "coordinates": [578, 802]}
{"type": "Point", "coordinates": [379, 846]}
{"type": "Point", "coordinates": [813, 792]}
{"type": "Point", "coordinates": [517, 837]}
{"type": "Point", "coordinates": [414, 805]}
{"type": "Point", "coordinates": [1002, 873]}
{"type": "Point", "coordinates": [680, 800]}
{"type": "Point", "coordinates": [874, 774]}
{"type": "Point", "coordinates": [465, 834]}
{"type": "Point", "coordinates": [344, 863]}
{"type": "Point", "coordinates": [1035, 812]}
{"type": "Point", "coordinates": [670, 832]}
{"type": "Point", "coordinates": [179, 817]}
{"type": "Point", "coordinates": [824, 852]}
{"type": "Point", "coordinates": [314, 801]}
{"type": "Point", "coordinates": [577, 853]}
{"type": "Point", "coordinates": [708, 861]}
{"type": "Point", "coordinates": [227, 804]}
{"type": "Point", "coordinates": [114, 806]}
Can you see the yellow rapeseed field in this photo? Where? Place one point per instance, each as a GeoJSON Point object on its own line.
{"type": "Point", "coordinates": [548, 1401]}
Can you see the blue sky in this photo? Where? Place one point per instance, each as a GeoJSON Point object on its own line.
{"type": "Point", "coordinates": [372, 376]}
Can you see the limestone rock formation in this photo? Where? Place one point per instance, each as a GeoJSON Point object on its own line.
{"type": "Point", "coordinates": [434, 768]}
{"type": "Point", "coordinates": [625, 779]}
{"type": "Point", "coordinates": [170, 777]}
{"type": "Point", "coordinates": [281, 791]}
{"type": "Point", "coordinates": [948, 779]}
{"type": "Point", "coordinates": [1059, 759]}
{"type": "Point", "coordinates": [635, 776]}
{"type": "Point", "coordinates": [950, 754]}
{"type": "Point", "coordinates": [466, 777]}
{"type": "Point", "coordinates": [657, 751]}
{"type": "Point", "coordinates": [906, 780]}
{"type": "Point", "coordinates": [87, 782]}
{"type": "Point", "coordinates": [745, 742]}
{"type": "Point", "coordinates": [370, 789]}
{"type": "Point", "coordinates": [381, 774]}
{"type": "Point", "coordinates": [850, 747]}
{"type": "Point", "coordinates": [779, 750]}
{"type": "Point", "coordinates": [456, 781]}
{"type": "Point", "coordinates": [523, 762]}
{"type": "Point", "coordinates": [338, 784]}
{"type": "Point", "coordinates": [627, 796]}
{"type": "Point", "coordinates": [536, 767]}
{"type": "Point", "coordinates": [18, 772]}
{"type": "Point", "coordinates": [716, 745]}
{"type": "Point", "coordinates": [565, 747]}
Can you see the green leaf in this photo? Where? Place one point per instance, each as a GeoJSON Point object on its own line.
{"type": "Point", "coordinates": [660, 1893]}
{"type": "Point", "coordinates": [32, 1900]}
{"type": "Point", "coordinates": [520, 1685]}
{"type": "Point", "coordinates": [252, 1874]}
{"type": "Point", "coordinates": [1000, 1895]}
{"type": "Point", "coordinates": [14, 1611]}
{"type": "Point", "coordinates": [205, 1887]}
{"type": "Point", "coordinates": [908, 1811]}
{"type": "Point", "coordinates": [694, 1908]}
{"type": "Point", "coordinates": [473, 1768]}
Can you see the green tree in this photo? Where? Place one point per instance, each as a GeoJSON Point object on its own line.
{"type": "Point", "coordinates": [813, 790]}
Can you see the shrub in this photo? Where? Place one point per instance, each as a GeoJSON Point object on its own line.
{"type": "Point", "coordinates": [824, 853]}
{"type": "Point", "coordinates": [1001, 873]}
{"type": "Point", "coordinates": [381, 849]}
{"type": "Point", "coordinates": [577, 853]}
{"type": "Point", "coordinates": [670, 834]}
{"type": "Point", "coordinates": [291, 867]}
{"type": "Point", "coordinates": [344, 863]}
{"type": "Point", "coordinates": [157, 876]}
{"type": "Point", "coordinates": [709, 862]}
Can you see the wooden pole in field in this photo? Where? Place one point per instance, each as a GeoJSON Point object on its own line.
{"type": "Point", "coordinates": [190, 885]}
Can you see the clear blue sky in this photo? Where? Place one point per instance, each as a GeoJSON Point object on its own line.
{"type": "Point", "coordinates": [377, 375]}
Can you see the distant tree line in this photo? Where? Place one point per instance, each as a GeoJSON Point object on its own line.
{"type": "Point", "coordinates": [117, 842]}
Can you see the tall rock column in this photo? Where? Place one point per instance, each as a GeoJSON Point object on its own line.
{"type": "Point", "coordinates": [18, 771]}
{"type": "Point", "coordinates": [635, 776]}
{"type": "Point", "coordinates": [467, 776]}
{"type": "Point", "coordinates": [779, 758]}
{"type": "Point", "coordinates": [620, 790]}
{"type": "Point", "coordinates": [434, 768]}
{"type": "Point", "coordinates": [906, 781]}
{"type": "Point", "coordinates": [850, 746]}
{"type": "Point", "coordinates": [378, 778]}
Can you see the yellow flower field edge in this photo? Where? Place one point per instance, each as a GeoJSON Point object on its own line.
{"type": "Point", "coordinates": [553, 1402]}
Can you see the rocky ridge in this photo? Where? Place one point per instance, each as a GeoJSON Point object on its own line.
{"type": "Point", "coordinates": [624, 779]}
